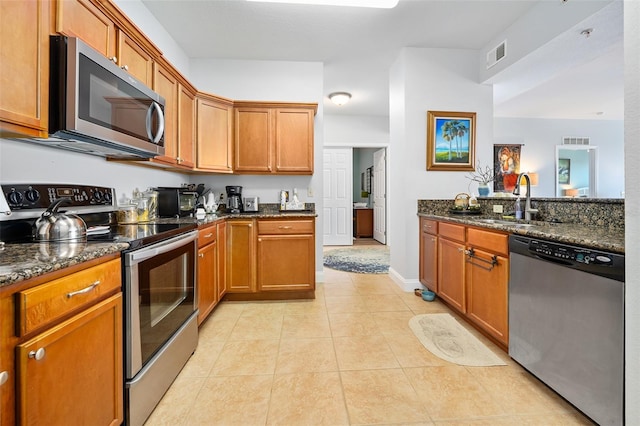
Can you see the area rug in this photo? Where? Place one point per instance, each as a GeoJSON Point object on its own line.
{"type": "Point", "coordinates": [444, 337]}
{"type": "Point", "coordinates": [359, 259]}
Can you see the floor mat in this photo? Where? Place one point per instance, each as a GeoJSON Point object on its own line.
{"type": "Point", "coordinates": [359, 259]}
{"type": "Point", "coordinates": [446, 338]}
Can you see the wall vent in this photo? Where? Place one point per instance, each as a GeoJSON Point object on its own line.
{"type": "Point", "coordinates": [573, 140]}
{"type": "Point", "coordinates": [496, 54]}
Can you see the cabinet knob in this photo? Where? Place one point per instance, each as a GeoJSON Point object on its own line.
{"type": "Point", "coordinates": [4, 376]}
{"type": "Point", "coordinates": [37, 355]}
{"type": "Point", "coordinates": [114, 59]}
{"type": "Point", "coordinates": [433, 240]}
{"type": "Point", "coordinates": [125, 67]}
{"type": "Point", "coordinates": [250, 225]}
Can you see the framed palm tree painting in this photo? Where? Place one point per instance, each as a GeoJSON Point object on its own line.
{"type": "Point", "coordinates": [451, 140]}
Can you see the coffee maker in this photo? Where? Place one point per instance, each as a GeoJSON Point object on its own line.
{"type": "Point", "coordinates": [234, 199]}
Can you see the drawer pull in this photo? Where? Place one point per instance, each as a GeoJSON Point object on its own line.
{"type": "Point", "coordinates": [4, 376]}
{"type": "Point", "coordinates": [284, 227]}
{"type": "Point", "coordinates": [84, 290]}
{"type": "Point", "coordinates": [37, 355]}
{"type": "Point", "coordinates": [209, 235]}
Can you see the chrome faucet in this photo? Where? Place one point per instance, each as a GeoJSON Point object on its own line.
{"type": "Point", "coordinates": [527, 204]}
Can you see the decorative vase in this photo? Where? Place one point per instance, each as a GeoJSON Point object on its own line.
{"type": "Point", "coordinates": [483, 190]}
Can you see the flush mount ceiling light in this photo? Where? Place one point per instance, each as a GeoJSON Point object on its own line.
{"type": "Point", "coordinates": [340, 98]}
{"type": "Point", "coordinates": [380, 4]}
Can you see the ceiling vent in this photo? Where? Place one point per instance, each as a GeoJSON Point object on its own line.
{"type": "Point", "coordinates": [496, 54]}
{"type": "Point", "coordinates": [573, 140]}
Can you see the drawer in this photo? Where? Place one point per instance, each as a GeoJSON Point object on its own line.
{"type": "Point", "coordinates": [451, 231]}
{"type": "Point", "coordinates": [302, 226]}
{"type": "Point", "coordinates": [207, 235]}
{"type": "Point", "coordinates": [429, 226]}
{"type": "Point", "coordinates": [43, 304]}
{"type": "Point", "coordinates": [492, 241]}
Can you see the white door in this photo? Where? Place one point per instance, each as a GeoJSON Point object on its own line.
{"type": "Point", "coordinates": [338, 181]}
{"type": "Point", "coordinates": [379, 196]}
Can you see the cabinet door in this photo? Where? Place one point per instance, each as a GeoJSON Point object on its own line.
{"type": "Point", "coordinates": [241, 264]}
{"type": "Point", "coordinates": [253, 140]}
{"type": "Point", "coordinates": [166, 85]}
{"type": "Point", "coordinates": [186, 127]}
{"type": "Point", "coordinates": [221, 229]}
{"type": "Point", "coordinates": [429, 261]}
{"type": "Point", "coordinates": [74, 370]}
{"type": "Point", "coordinates": [81, 18]}
{"type": "Point", "coordinates": [24, 68]}
{"type": "Point", "coordinates": [214, 136]}
{"type": "Point", "coordinates": [134, 59]}
{"type": "Point", "coordinates": [451, 272]}
{"type": "Point", "coordinates": [487, 293]}
{"type": "Point", "coordinates": [207, 280]}
{"type": "Point", "coordinates": [294, 141]}
{"type": "Point", "coordinates": [286, 262]}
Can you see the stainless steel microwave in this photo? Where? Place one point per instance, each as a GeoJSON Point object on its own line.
{"type": "Point", "coordinates": [98, 108]}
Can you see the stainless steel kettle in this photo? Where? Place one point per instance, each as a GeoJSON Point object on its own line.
{"type": "Point", "coordinates": [58, 226]}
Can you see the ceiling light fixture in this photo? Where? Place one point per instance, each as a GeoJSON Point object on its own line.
{"type": "Point", "coordinates": [340, 98]}
{"type": "Point", "coordinates": [380, 4]}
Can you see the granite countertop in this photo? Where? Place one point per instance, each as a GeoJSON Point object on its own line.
{"type": "Point", "coordinates": [599, 238]}
{"type": "Point", "coordinates": [20, 262]}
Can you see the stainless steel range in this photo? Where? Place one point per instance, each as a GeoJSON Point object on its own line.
{"type": "Point", "coordinates": [158, 276]}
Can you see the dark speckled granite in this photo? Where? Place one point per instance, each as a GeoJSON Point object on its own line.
{"type": "Point", "coordinates": [19, 262]}
{"type": "Point", "coordinates": [597, 224]}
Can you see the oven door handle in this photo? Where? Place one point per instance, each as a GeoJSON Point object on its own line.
{"type": "Point", "coordinates": [146, 253]}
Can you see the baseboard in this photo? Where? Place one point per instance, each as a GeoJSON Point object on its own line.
{"type": "Point", "coordinates": [405, 284]}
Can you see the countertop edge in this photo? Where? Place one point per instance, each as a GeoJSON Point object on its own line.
{"type": "Point", "coordinates": [591, 237]}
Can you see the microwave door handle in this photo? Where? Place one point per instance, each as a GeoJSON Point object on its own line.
{"type": "Point", "coordinates": [155, 107]}
{"type": "Point", "coordinates": [160, 123]}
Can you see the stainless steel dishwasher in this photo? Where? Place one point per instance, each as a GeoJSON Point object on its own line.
{"type": "Point", "coordinates": [566, 322]}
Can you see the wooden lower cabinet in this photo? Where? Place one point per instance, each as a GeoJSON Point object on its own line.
{"type": "Point", "coordinates": [221, 230]}
{"type": "Point", "coordinates": [362, 223]}
{"type": "Point", "coordinates": [286, 262]}
{"type": "Point", "coordinates": [451, 272]}
{"type": "Point", "coordinates": [487, 293]}
{"type": "Point", "coordinates": [207, 288]}
{"type": "Point", "coordinates": [271, 258]}
{"type": "Point", "coordinates": [241, 256]}
{"type": "Point", "coordinates": [429, 254]}
{"type": "Point", "coordinates": [73, 371]}
{"type": "Point", "coordinates": [472, 273]}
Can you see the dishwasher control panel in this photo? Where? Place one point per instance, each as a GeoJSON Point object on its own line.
{"type": "Point", "coordinates": [574, 254]}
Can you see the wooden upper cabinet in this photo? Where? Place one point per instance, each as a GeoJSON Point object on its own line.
{"type": "Point", "coordinates": [214, 139]}
{"type": "Point", "coordinates": [165, 84]}
{"type": "Point", "coordinates": [186, 126]}
{"type": "Point", "coordinates": [273, 137]}
{"type": "Point", "coordinates": [253, 139]}
{"type": "Point", "coordinates": [24, 68]}
{"type": "Point", "coordinates": [134, 59]}
{"type": "Point", "coordinates": [294, 141]}
{"type": "Point", "coordinates": [81, 18]}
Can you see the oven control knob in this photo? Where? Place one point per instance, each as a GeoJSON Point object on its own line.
{"type": "Point", "coordinates": [97, 196]}
{"type": "Point", "coordinates": [32, 195]}
{"type": "Point", "coordinates": [14, 198]}
{"type": "Point", "coordinates": [107, 197]}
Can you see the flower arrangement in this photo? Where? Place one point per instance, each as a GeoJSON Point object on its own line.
{"type": "Point", "coordinates": [482, 175]}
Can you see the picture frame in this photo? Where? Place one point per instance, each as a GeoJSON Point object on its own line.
{"type": "Point", "coordinates": [369, 173]}
{"type": "Point", "coordinates": [564, 171]}
{"type": "Point", "coordinates": [451, 141]}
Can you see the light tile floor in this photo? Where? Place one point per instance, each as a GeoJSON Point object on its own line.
{"type": "Point", "coordinates": [346, 358]}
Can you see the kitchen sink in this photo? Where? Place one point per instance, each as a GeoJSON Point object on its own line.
{"type": "Point", "coordinates": [505, 222]}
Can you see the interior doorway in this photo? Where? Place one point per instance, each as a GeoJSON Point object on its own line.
{"type": "Point", "coordinates": [364, 206]}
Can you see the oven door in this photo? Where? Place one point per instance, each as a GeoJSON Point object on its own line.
{"type": "Point", "coordinates": [160, 296]}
